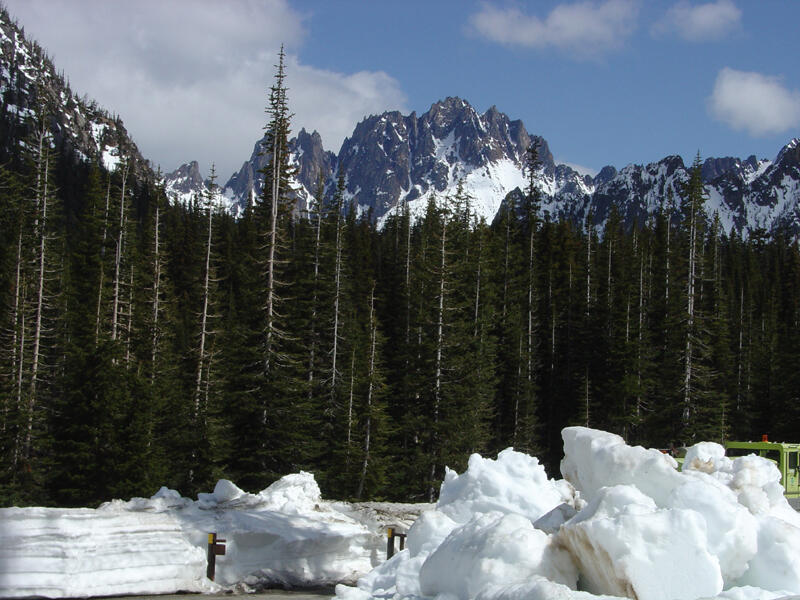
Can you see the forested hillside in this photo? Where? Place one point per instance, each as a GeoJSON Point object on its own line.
{"type": "Point", "coordinates": [146, 343]}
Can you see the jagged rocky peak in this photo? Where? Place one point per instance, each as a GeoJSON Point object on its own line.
{"type": "Point", "coordinates": [789, 154]}
{"type": "Point", "coordinates": [716, 167]}
{"type": "Point", "coordinates": [314, 163]}
{"type": "Point", "coordinates": [393, 159]}
{"type": "Point", "coordinates": [733, 168]}
{"type": "Point", "coordinates": [605, 175]}
{"type": "Point", "coordinates": [671, 163]}
{"type": "Point", "coordinates": [186, 178]}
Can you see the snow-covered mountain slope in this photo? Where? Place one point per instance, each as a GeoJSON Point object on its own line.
{"type": "Point", "coordinates": [185, 184]}
{"type": "Point", "coordinates": [29, 83]}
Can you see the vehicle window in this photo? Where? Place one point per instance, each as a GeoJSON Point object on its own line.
{"type": "Point", "coordinates": [773, 455]}
{"type": "Point", "coordinates": [733, 452]}
{"type": "Point", "coordinates": [793, 460]}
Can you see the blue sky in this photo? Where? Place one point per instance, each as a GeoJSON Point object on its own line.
{"type": "Point", "coordinates": [604, 81]}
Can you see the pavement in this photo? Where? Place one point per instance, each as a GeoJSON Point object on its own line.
{"type": "Point", "coordinates": [317, 594]}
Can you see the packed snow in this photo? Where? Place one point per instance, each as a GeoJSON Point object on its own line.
{"type": "Point", "coordinates": [623, 521]}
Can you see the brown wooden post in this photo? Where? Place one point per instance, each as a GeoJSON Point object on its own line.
{"type": "Point", "coordinates": [390, 544]}
{"type": "Point", "coordinates": [216, 547]}
{"type": "Point", "coordinates": [212, 558]}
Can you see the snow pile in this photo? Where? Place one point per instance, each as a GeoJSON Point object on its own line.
{"type": "Point", "coordinates": [285, 534]}
{"type": "Point", "coordinates": [624, 522]}
{"type": "Point", "coordinates": [514, 482]}
{"type": "Point", "coordinates": [480, 534]}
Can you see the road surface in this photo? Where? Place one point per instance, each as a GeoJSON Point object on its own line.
{"type": "Point", "coordinates": [322, 594]}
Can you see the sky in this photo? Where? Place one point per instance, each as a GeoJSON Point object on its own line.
{"type": "Point", "coordinates": [603, 81]}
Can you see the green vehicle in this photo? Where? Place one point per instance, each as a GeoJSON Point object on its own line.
{"type": "Point", "coordinates": [785, 456]}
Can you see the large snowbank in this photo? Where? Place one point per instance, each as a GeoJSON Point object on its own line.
{"type": "Point", "coordinates": [285, 534]}
{"type": "Point", "coordinates": [84, 552]}
{"type": "Point", "coordinates": [623, 522]}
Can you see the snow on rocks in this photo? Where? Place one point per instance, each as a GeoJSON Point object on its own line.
{"type": "Point", "coordinates": [626, 546]}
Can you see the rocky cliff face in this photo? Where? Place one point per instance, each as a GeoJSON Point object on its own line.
{"type": "Point", "coordinates": [391, 159]}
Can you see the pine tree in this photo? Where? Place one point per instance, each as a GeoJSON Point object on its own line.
{"type": "Point", "coordinates": [697, 405]}
{"type": "Point", "coordinates": [278, 443]}
{"type": "Point", "coordinates": [525, 434]}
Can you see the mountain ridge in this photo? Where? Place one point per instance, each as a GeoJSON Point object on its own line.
{"type": "Point", "coordinates": [393, 160]}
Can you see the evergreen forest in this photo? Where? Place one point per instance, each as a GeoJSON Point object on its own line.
{"type": "Point", "coordinates": [148, 343]}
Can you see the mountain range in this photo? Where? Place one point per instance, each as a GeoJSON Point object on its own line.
{"type": "Point", "coordinates": [392, 160]}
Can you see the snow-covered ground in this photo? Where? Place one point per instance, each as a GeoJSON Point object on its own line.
{"type": "Point", "coordinates": [622, 522]}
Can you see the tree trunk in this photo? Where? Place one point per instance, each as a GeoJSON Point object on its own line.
{"type": "Point", "coordinates": [312, 351]}
{"type": "Point", "coordinates": [102, 265]}
{"type": "Point", "coordinates": [201, 359]}
{"type": "Point", "coordinates": [337, 282]}
{"type": "Point", "coordinates": [373, 335]}
{"type": "Point", "coordinates": [118, 258]}
{"type": "Point", "coordinates": [156, 299]}
{"type": "Point", "coordinates": [273, 239]}
{"type": "Point", "coordinates": [43, 168]}
{"type": "Point", "coordinates": [18, 334]}
{"type": "Point", "coordinates": [437, 390]}
{"type": "Point", "coordinates": [690, 298]}
{"type": "Point", "coordinates": [350, 404]}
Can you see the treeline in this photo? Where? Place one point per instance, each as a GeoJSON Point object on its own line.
{"type": "Point", "coordinates": [146, 343]}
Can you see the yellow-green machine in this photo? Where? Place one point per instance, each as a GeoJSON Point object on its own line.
{"type": "Point", "coordinates": [785, 456]}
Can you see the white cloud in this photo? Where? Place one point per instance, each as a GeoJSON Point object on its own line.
{"type": "Point", "coordinates": [759, 104]}
{"type": "Point", "coordinates": [585, 29]}
{"type": "Point", "coordinates": [581, 169]}
{"type": "Point", "coordinates": [700, 23]}
{"type": "Point", "coordinates": [332, 103]}
{"type": "Point", "coordinates": [190, 77]}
